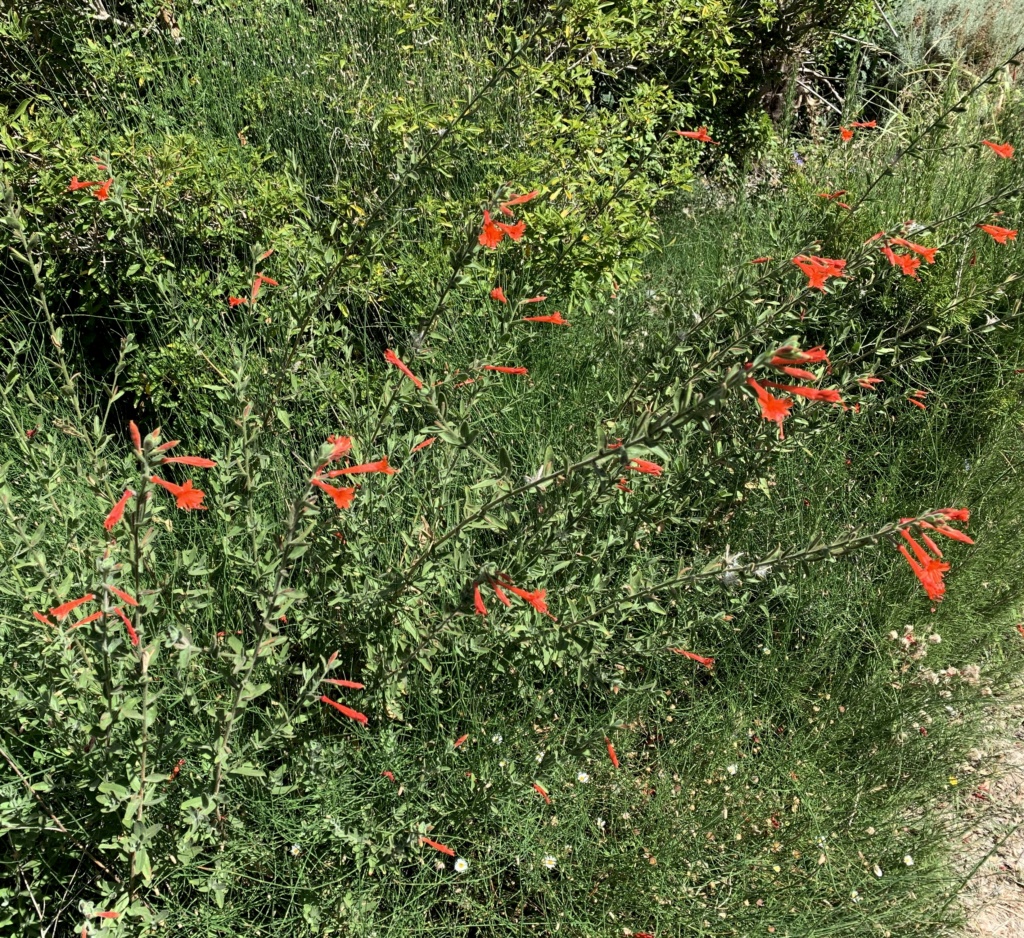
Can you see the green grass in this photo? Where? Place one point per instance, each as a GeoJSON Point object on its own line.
{"type": "Point", "coordinates": [755, 798]}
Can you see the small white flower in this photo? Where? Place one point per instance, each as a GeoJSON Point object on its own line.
{"type": "Point", "coordinates": [762, 570]}
{"type": "Point", "coordinates": [539, 758]}
{"type": "Point", "coordinates": [732, 769]}
{"type": "Point", "coordinates": [296, 850]}
{"type": "Point", "coordinates": [502, 764]}
{"type": "Point", "coordinates": [461, 865]}
{"type": "Point", "coordinates": [935, 639]}
{"type": "Point", "coordinates": [908, 860]}
{"type": "Point", "coordinates": [878, 871]}
{"type": "Point", "coordinates": [549, 862]}
{"type": "Point", "coordinates": [854, 895]}
{"type": "Point", "coordinates": [497, 739]}
{"type": "Point", "coordinates": [582, 778]}
{"type": "Point", "coordinates": [601, 823]}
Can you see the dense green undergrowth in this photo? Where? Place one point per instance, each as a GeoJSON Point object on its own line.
{"type": "Point", "coordinates": [805, 783]}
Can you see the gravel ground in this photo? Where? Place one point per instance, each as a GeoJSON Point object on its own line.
{"type": "Point", "coordinates": [994, 899]}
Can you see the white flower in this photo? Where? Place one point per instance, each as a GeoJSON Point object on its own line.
{"type": "Point", "coordinates": [762, 570]}
{"type": "Point", "coordinates": [497, 739]}
{"type": "Point", "coordinates": [732, 769]}
{"type": "Point", "coordinates": [539, 757]}
{"type": "Point", "coordinates": [549, 862]}
{"type": "Point", "coordinates": [582, 778]}
{"type": "Point", "coordinates": [854, 895]}
{"type": "Point", "coordinates": [502, 764]}
{"type": "Point", "coordinates": [908, 860]}
{"type": "Point", "coordinates": [296, 850]}
{"type": "Point", "coordinates": [878, 871]}
{"type": "Point", "coordinates": [935, 639]}
{"type": "Point", "coordinates": [461, 865]}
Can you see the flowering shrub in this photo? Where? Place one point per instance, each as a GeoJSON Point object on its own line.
{"type": "Point", "coordinates": [421, 527]}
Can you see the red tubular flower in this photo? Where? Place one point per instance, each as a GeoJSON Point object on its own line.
{"type": "Point", "coordinates": [790, 356]}
{"type": "Point", "coordinates": [341, 682]}
{"type": "Point", "coordinates": [535, 599]}
{"type": "Point", "coordinates": [622, 486]}
{"type": "Point", "coordinates": [175, 770]}
{"type": "Point", "coordinates": [381, 465]}
{"type": "Point", "coordinates": [708, 663]}
{"type": "Point", "coordinates": [928, 254]}
{"type": "Point", "coordinates": [956, 514]}
{"type": "Point", "coordinates": [999, 235]}
{"type": "Point", "coordinates": [342, 497]}
{"type": "Point", "coordinates": [498, 294]}
{"type": "Point", "coordinates": [258, 282]}
{"type": "Point", "coordinates": [515, 232]}
{"type": "Point", "coordinates": [390, 776]}
{"type": "Point", "coordinates": [869, 382]}
{"type": "Point", "coordinates": [92, 617]}
{"type": "Point", "coordinates": [340, 446]}
{"type": "Point", "coordinates": [61, 612]}
{"type": "Point", "coordinates": [117, 512]}
{"type": "Point", "coordinates": [646, 467]}
{"type": "Point", "coordinates": [642, 934]}
{"type": "Point", "coordinates": [772, 408]}
{"type": "Point", "coordinates": [542, 792]}
{"type": "Point", "coordinates": [845, 133]}
{"type": "Point", "coordinates": [107, 914]}
{"type": "Point", "coordinates": [906, 262]}
{"type": "Point", "coordinates": [928, 570]}
{"type": "Point", "coordinates": [819, 269]}
{"type": "Point", "coordinates": [517, 200]}
{"type": "Point", "coordinates": [392, 359]}
{"type": "Point", "coordinates": [1005, 150]}
{"type": "Point", "coordinates": [535, 299]}
{"type": "Point", "coordinates": [345, 711]}
{"type": "Point", "coordinates": [953, 534]}
{"type": "Point", "coordinates": [611, 752]}
{"type": "Point", "coordinates": [103, 190]}
{"type": "Point", "coordinates": [41, 618]}
{"type": "Point", "coordinates": [916, 403]}
{"type": "Point", "coordinates": [832, 195]}
{"type": "Point", "coordinates": [701, 135]}
{"type": "Point", "coordinates": [199, 462]}
{"type": "Point", "coordinates": [864, 124]}
{"type": "Point", "coordinates": [460, 740]}
{"type": "Point", "coordinates": [500, 593]}
{"type": "Point", "coordinates": [77, 184]}
{"type": "Point", "coordinates": [440, 848]}
{"type": "Point", "coordinates": [122, 595]}
{"type": "Point", "coordinates": [236, 300]}
{"type": "Point", "coordinates": [170, 444]}
{"type": "Point", "coordinates": [129, 628]}
{"type": "Point", "coordinates": [427, 442]}
{"type": "Point", "coordinates": [800, 373]}
{"type": "Point", "coordinates": [554, 318]}
{"type": "Point", "coordinates": [492, 234]}
{"type": "Point", "coordinates": [136, 436]}
{"type": "Point", "coordinates": [186, 496]}
{"type": "Point", "coordinates": [828, 395]}
{"type": "Point", "coordinates": [478, 601]}
{"type": "Point", "coordinates": [761, 260]}
{"type": "Point", "coordinates": [505, 370]}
